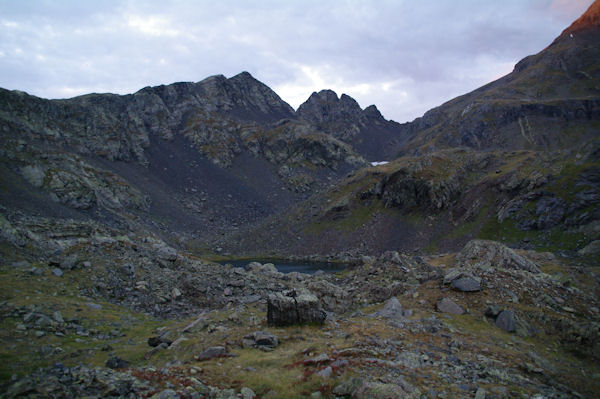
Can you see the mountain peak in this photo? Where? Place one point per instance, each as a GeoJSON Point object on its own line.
{"type": "Point", "coordinates": [372, 112]}
{"type": "Point", "coordinates": [323, 95]}
{"type": "Point", "coordinates": [590, 19]}
{"type": "Point", "coordinates": [244, 75]}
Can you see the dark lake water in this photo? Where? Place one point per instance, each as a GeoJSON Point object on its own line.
{"type": "Point", "coordinates": [287, 266]}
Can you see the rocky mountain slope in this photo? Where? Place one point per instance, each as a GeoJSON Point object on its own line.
{"type": "Point", "coordinates": [228, 151]}
{"type": "Point", "coordinates": [516, 160]}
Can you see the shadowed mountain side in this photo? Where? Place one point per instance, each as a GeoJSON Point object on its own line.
{"type": "Point", "coordinates": [551, 100]}
{"type": "Point", "coordinates": [439, 201]}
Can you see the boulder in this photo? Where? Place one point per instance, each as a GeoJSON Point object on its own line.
{"type": "Point", "coordinates": [447, 305]}
{"type": "Point", "coordinates": [506, 320]}
{"type": "Point", "coordinates": [261, 340]}
{"type": "Point", "coordinates": [466, 284]}
{"type": "Point", "coordinates": [294, 307]}
{"type": "Point", "coordinates": [392, 309]}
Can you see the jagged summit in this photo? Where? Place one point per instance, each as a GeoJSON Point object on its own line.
{"type": "Point", "coordinates": [325, 106]}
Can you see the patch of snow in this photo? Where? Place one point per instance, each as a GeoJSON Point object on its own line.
{"type": "Point", "coordinates": [379, 163]}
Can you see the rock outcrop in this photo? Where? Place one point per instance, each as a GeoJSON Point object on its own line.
{"type": "Point", "coordinates": [484, 254]}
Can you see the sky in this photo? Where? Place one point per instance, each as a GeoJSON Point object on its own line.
{"type": "Point", "coordinates": [404, 56]}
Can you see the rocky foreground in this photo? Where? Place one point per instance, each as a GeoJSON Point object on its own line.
{"type": "Point", "coordinates": [88, 312]}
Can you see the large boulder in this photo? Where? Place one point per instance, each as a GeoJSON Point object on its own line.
{"type": "Point", "coordinates": [294, 307]}
{"type": "Point", "coordinates": [486, 253]}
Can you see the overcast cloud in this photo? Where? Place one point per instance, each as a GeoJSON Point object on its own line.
{"type": "Point", "coordinates": [404, 56]}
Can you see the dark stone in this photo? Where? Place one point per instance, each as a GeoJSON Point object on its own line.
{"type": "Point", "coordinates": [115, 362]}
{"type": "Point", "coordinates": [506, 320]}
{"type": "Point", "coordinates": [466, 284]}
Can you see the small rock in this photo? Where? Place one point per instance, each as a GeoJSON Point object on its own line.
{"type": "Point", "coordinates": [57, 272]}
{"type": "Point", "coordinates": [95, 306]}
{"type": "Point", "coordinates": [21, 264]}
{"type": "Point", "coordinates": [175, 293]}
{"type": "Point", "coordinates": [480, 394]}
{"type": "Point", "coordinates": [392, 309]}
{"type": "Point", "coordinates": [466, 284]}
{"type": "Point", "coordinates": [447, 305]}
{"type": "Point", "coordinates": [325, 373]}
{"type": "Point", "coordinates": [506, 320]}
{"type": "Point", "coordinates": [260, 339]}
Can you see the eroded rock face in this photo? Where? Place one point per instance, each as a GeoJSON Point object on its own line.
{"type": "Point", "coordinates": [294, 307]}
